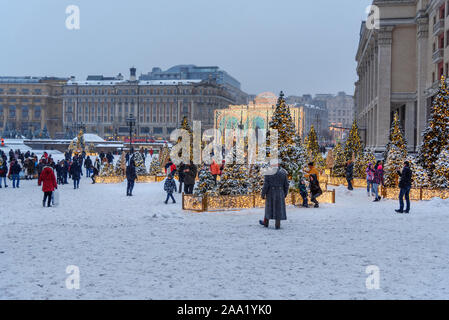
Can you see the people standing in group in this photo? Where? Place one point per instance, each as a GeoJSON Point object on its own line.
{"type": "Point", "coordinates": [313, 176]}
{"type": "Point", "coordinates": [405, 184]}
{"type": "Point", "coordinates": [378, 180]}
{"type": "Point", "coordinates": [190, 173]}
{"type": "Point", "coordinates": [349, 171]}
{"type": "Point", "coordinates": [181, 175]}
{"type": "Point", "coordinates": [170, 187]}
{"type": "Point", "coordinates": [274, 191]}
{"type": "Point", "coordinates": [75, 172]}
{"type": "Point", "coordinates": [14, 173]}
{"type": "Point", "coordinates": [3, 172]}
{"type": "Point", "coordinates": [369, 180]}
{"type": "Point", "coordinates": [131, 176]}
{"type": "Point", "coordinates": [88, 166]}
{"type": "Point", "coordinates": [48, 181]}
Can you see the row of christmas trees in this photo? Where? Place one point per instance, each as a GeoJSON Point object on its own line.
{"type": "Point", "coordinates": [430, 165]}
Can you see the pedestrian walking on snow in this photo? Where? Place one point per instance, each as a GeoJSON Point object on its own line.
{"type": "Point", "coordinates": [48, 181]}
{"type": "Point", "coordinates": [131, 176]}
{"type": "Point", "coordinates": [405, 184]}
{"type": "Point", "coordinates": [170, 187]}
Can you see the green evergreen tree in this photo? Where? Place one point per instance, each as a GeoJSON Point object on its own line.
{"type": "Point", "coordinates": [338, 169]}
{"type": "Point", "coordinates": [353, 144]}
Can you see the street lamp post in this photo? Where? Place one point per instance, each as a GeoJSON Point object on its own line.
{"type": "Point", "coordinates": [131, 121]}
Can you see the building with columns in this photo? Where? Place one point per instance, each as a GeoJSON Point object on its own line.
{"type": "Point", "coordinates": [31, 106]}
{"type": "Point", "coordinates": [102, 104]}
{"type": "Point", "coordinates": [399, 65]}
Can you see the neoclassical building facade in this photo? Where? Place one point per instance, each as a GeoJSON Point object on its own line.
{"type": "Point", "coordinates": [399, 64]}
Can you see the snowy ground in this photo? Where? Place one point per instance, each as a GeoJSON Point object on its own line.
{"type": "Point", "coordinates": [141, 248]}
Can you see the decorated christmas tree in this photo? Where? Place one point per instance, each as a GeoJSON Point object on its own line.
{"type": "Point", "coordinates": [107, 170]}
{"type": "Point", "coordinates": [362, 162]}
{"type": "Point", "coordinates": [234, 180]}
{"type": "Point", "coordinates": [185, 125]}
{"type": "Point", "coordinates": [291, 151]}
{"type": "Point", "coordinates": [441, 172]}
{"type": "Point", "coordinates": [155, 167]}
{"type": "Point", "coordinates": [312, 146]}
{"type": "Point", "coordinates": [206, 184]}
{"type": "Point", "coordinates": [139, 164]}
{"type": "Point", "coordinates": [256, 178]}
{"type": "Point", "coordinates": [338, 170]}
{"type": "Point", "coordinates": [120, 166]}
{"type": "Point", "coordinates": [353, 144]}
{"type": "Point", "coordinates": [420, 178]}
{"type": "Point", "coordinates": [436, 135]}
{"type": "Point", "coordinates": [395, 162]}
{"type": "Point", "coordinates": [396, 136]}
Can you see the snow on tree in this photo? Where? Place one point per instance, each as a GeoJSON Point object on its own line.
{"type": "Point", "coordinates": [436, 135]}
{"type": "Point", "coordinates": [395, 162]}
{"type": "Point", "coordinates": [291, 151]}
{"type": "Point", "coordinates": [420, 178]}
{"type": "Point", "coordinates": [256, 178]}
{"type": "Point", "coordinates": [120, 167]}
{"type": "Point", "coordinates": [353, 144]}
{"type": "Point", "coordinates": [338, 170]}
{"type": "Point", "coordinates": [139, 164]}
{"type": "Point", "coordinates": [107, 170]}
{"type": "Point", "coordinates": [312, 146]}
{"type": "Point", "coordinates": [234, 180]}
{"type": "Point", "coordinates": [206, 184]}
{"type": "Point", "coordinates": [330, 159]}
{"type": "Point", "coordinates": [185, 125]}
{"type": "Point", "coordinates": [155, 167]}
{"type": "Point", "coordinates": [441, 172]}
{"type": "Point", "coordinates": [362, 162]}
{"type": "Point", "coordinates": [396, 136]}
{"type": "Point", "coordinates": [294, 157]}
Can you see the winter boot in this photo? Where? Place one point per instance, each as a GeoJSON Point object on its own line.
{"type": "Point", "coordinates": [278, 224]}
{"type": "Point", "coordinates": [399, 211]}
{"type": "Point", "coordinates": [317, 205]}
{"type": "Point", "coordinates": [264, 222]}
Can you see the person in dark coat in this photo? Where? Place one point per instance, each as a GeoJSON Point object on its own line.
{"type": "Point", "coordinates": [88, 166]}
{"type": "Point", "coordinates": [3, 172]}
{"type": "Point", "coordinates": [315, 189]}
{"type": "Point", "coordinates": [274, 191]}
{"type": "Point", "coordinates": [303, 192]}
{"type": "Point", "coordinates": [189, 178]}
{"type": "Point", "coordinates": [110, 157]}
{"type": "Point", "coordinates": [181, 175]}
{"type": "Point", "coordinates": [350, 174]}
{"type": "Point", "coordinates": [48, 181]}
{"type": "Point", "coordinates": [131, 176]}
{"type": "Point", "coordinates": [405, 184]}
{"type": "Point", "coordinates": [14, 173]}
{"type": "Point", "coordinates": [75, 172]}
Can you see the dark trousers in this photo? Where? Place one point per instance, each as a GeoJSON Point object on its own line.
{"type": "Point", "coordinates": [188, 188]}
{"type": "Point", "coordinates": [87, 172]}
{"type": "Point", "coordinates": [170, 195]}
{"type": "Point", "coordinates": [305, 199]}
{"type": "Point", "coordinates": [405, 192]}
{"type": "Point", "coordinates": [64, 178]}
{"type": "Point", "coordinates": [76, 183]}
{"type": "Point", "coordinates": [93, 177]}
{"type": "Point", "coordinates": [47, 197]}
{"type": "Point", "coordinates": [130, 187]}
{"type": "Point", "coordinates": [180, 185]}
{"type": "Point", "coordinates": [350, 187]}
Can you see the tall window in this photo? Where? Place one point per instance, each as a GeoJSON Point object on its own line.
{"type": "Point", "coordinates": [37, 112]}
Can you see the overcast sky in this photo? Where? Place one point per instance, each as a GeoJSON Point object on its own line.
{"type": "Point", "coordinates": [268, 45]}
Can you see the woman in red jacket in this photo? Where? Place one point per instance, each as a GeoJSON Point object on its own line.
{"type": "Point", "coordinates": [48, 180]}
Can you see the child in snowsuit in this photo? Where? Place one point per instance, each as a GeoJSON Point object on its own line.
{"type": "Point", "coordinates": [170, 187]}
{"type": "Point", "coordinates": [303, 193]}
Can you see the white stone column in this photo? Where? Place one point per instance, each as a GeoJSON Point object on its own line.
{"type": "Point", "coordinates": [422, 54]}
{"type": "Point", "coordinates": [384, 92]}
{"type": "Point", "coordinates": [410, 124]}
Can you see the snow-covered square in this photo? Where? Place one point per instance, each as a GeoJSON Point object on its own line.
{"type": "Point", "coordinates": [139, 248]}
